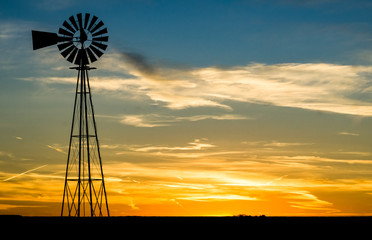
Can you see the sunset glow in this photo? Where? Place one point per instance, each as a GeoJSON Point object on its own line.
{"type": "Point", "coordinates": [203, 108]}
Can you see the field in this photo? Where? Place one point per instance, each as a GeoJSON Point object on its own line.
{"type": "Point", "coordinates": [178, 227]}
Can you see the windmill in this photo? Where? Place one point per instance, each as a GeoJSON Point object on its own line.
{"type": "Point", "coordinates": [81, 40]}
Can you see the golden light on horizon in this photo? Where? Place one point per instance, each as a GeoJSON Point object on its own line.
{"type": "Point", "coordinates": [209, 186]}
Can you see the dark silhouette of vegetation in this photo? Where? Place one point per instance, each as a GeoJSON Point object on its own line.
{"type": "Point", "coordinates": [249, 216]}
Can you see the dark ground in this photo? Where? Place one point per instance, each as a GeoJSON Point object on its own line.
{"type": "Point", "coordinates": [196, 227]}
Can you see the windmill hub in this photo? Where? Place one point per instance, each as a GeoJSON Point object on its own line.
{"type": "Point", "coordinates": [82, 39]}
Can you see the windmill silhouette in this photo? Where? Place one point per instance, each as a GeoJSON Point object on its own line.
{"type": "Point", "coordinates": [81, 40]}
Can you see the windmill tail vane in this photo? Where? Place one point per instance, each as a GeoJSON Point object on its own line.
{"type": "Point", "coordinates": [81, 40]}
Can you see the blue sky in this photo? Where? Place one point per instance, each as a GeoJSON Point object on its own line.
{"type": "Point", "coordinates": [238, 104]}
{"type": "Point", "coordinates": [219, 32]}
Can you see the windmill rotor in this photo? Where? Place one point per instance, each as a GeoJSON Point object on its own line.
{"type": "Point", "coordinates": [81, 39]}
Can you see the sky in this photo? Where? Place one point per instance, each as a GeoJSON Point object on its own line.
{"type": "Point", "coordinates": [210, 108]}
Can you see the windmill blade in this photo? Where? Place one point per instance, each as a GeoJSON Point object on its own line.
{"type": "Point", "coordinates": [64, 39]}
{"type": "Point", "coordinates": [80, 20]}
{"type": "Point", "coordinates": [94, 19]}
{"type": "Point", "coordinates": [81, 56]}
{"type": "Point", "coordinates": [72, 55]}
{"type": "Point", "coordinates": [64, 45]}
{"type": "Point", "coordinates": [84, 56]}
{"type": "Point", "coordinates": [72, 20]}
{"type": "Point", "coordinates": [96, 51]}
{"type": "Point", "coordinates": [86, 20]}
{"type": "Point", "coordinates": [68, 51]}
{"type": "Point", "coordinates": [43, 39]}
{"type": "Point", "coordinates": [91, 55]}
{"type": "Point", "coordinates": [103, 31]}
{"type": "Point", "coordinates": [68, 26]}
{"type": "Point", "coordinates": [100, 45]}
{"type": "Point", "coordinates": [101, 39]}
{"type": "Point", "coordinates": [100, 24]}
{"type": "Point", "coordinates": [65, 32]}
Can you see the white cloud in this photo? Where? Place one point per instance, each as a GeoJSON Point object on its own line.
{"type": "Point", "coordinates": [140, 121]}
{"type": "Point", "coordinates": [322, 87]}
{"type": "Point", "coordinates": [57, 148]}
{"type": "Point", "coordinates": [285, 144]}
{"type": "Point", "coordinates": [156, 120]}
{"type": "Point", "coordinates": [274, 144]}
{"type": "Point", "coordinates": [348, 134]}
{"type": "Point", "coordinates": [313, 86]}
{"type": "Point", "coordinates": [198, 148]}
{"type": "Point", "coordinates": [197, 144]}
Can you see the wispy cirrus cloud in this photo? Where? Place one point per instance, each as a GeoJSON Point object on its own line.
{"type": "Point", "coordinates": [348, 133]}
{"type": "Point", "coordinates": [20, 174]}
{"type": "Point", "coordinates": [142, 121]}
{"type": "Point", "coordinates": [156, 120]}
{"type": "Point", "coordinates": [327, 87]}
{"type": "Point", "coordinates": [57, 148]}
{"type": "Point", "coordinates": [197, 144]}
{"type": "Point", "coordinates": [285, 144]}
{"type": "Point", "coordinates": [306, 200]}
{"type": "Point", "coordinates": [198, 148]}
{"type": "Point", "coordinates": [313, 86]}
